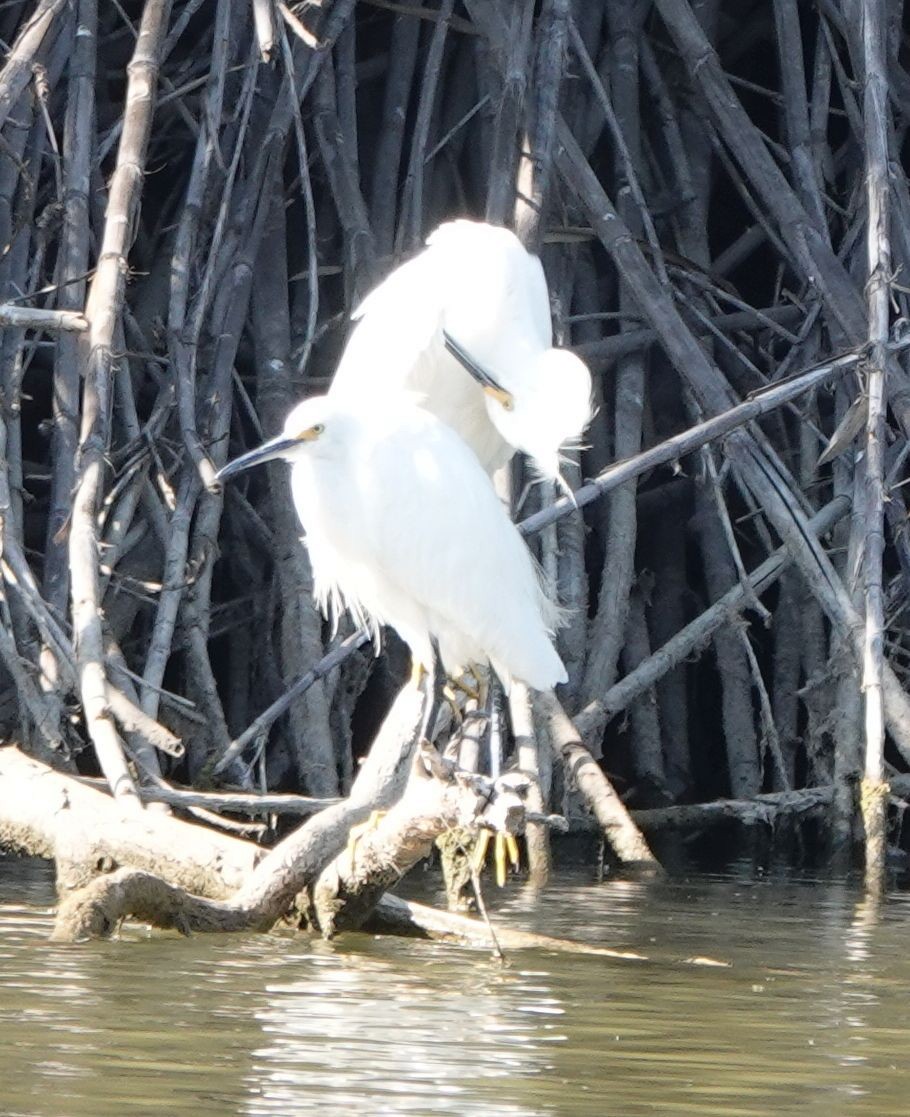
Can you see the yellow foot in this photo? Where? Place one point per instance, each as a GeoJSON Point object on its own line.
{"type": "Point", "coordinates": [417, 673]}
{"type": "Point", "coordinates": [357, 833]}
{"type": "Point", "coordinates": [505, 848]}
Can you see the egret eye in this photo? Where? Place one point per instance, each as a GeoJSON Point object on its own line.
{"type": "Point", "coordinates": [310, 433]}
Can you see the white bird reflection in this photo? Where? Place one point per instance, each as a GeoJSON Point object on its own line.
{"type": "Point", "coordinates": [454, 1039]}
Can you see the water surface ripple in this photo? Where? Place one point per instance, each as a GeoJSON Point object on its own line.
{"type": "Point", "coordinates": [812, 1016]}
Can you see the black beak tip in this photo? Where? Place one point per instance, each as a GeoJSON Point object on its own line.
{"type": "Point", "coordinates": [231, 469]}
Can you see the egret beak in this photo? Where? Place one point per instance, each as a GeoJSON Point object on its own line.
{"type": "Point", "coordinates": [480, 374]}
{"type": "Point", "coordinates": [501, 396]}
{"type": "Point", "coordinates": [268, 451]}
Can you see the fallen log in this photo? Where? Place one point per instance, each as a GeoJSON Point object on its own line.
{"type": "Point", "coordinates": [86, 832]}
{"type": "Point", "coordinates": [392, 914]}
{"type": "Point", "coordinates": [174, 873]}
{"type": "Point", "coordinates": [437, 797]}
{"type": "Point", "coordinates": [405, 917]}
{"type": "Point", "coordinates": [764, 809]}
{"type": "Point", "coordinates": [95, 911]}
{"type": "Point", "coordinates": [268, 889]}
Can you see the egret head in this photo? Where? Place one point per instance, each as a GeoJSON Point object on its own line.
{"type": "Point", "coordinates": [303, 427]}
{"type": "Point", "coordinates": [549, 408]}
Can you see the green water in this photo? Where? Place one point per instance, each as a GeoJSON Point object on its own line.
{"type": "Point", "coordinates": [811, 1017]}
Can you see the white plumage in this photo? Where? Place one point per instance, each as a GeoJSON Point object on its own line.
{"type": "Point", "coordinates": [403, 526]}
{"type": "Point", "coordinates": [477, 283]}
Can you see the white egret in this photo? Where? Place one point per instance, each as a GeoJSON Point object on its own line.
{"type": "Point", "coordinates": [403, 526]}
{"type": "Point", "coordinates": [466, 324]}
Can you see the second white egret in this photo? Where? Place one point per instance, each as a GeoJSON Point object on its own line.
{"type": "Point", "coordinates": [466, 324]}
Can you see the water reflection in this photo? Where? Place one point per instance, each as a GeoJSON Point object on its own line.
{"type": "Point", "coordinates": [441, 1039]}
{"type": "Point", "coordinates": [812, 1016]}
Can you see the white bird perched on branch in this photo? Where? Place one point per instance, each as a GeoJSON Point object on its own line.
{"type": "Point", "coordinates": [466, 325]}
{"type": "Point", "coordinates": [404, 528]}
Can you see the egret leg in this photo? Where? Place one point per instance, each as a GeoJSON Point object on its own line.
{"type": "Point", "coordinates": [451, 696]}
{"type": "Point", "coordinates": [474, 734]}
{"type": "Point", "coordinates": [505, 848]}
{"type": "Point", "coordinates": [496, 714]}
{"type": "Point", "coordinates": [450, 687]}
{"type": "Point", "coordinates": [433, 695]}
{"type": "Point", "coordinates": [470, 685]}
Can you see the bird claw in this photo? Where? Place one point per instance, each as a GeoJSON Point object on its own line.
{"type": "Point", "coordinates": [505, 852]}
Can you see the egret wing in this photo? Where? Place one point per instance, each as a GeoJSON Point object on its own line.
{"type": "Point", "coordinates": [397, 345]}
{"type": "Point", "coordinates": [497, 305]}
{"type": "Point", "coordinates": [436, 528]}
{"type": "Point", "coordinates": [395, 327]}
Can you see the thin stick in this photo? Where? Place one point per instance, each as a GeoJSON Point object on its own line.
{"type": "Point", "coordinates": [234, 802]}
{"type": "Point", "coordinates": [412, 208]}
{"type": "Point", "coordinates": [73, 264]}
{"type": "Point", "coordinates": [17, 69]}
{"type": "Point", "coordinates": [878, 292]}
{"type": "Point", "coordinates": [37, 318]}
{"type": "Point", "coordinates": [482, 908]}
{"type": "Point", "coordinates": [267, 717]}
{"type": "Point", "coordinates": [696, 633]}
{"type": "Point", "coordinates": [103, 308]}
{"type": "Point", "coordinates": [711, 430]}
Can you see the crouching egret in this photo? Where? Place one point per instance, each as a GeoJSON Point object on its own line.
{"type": "Point", "coordinates": [466, 324]}
{"type": "Point", "coordinates": [403, 527]}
